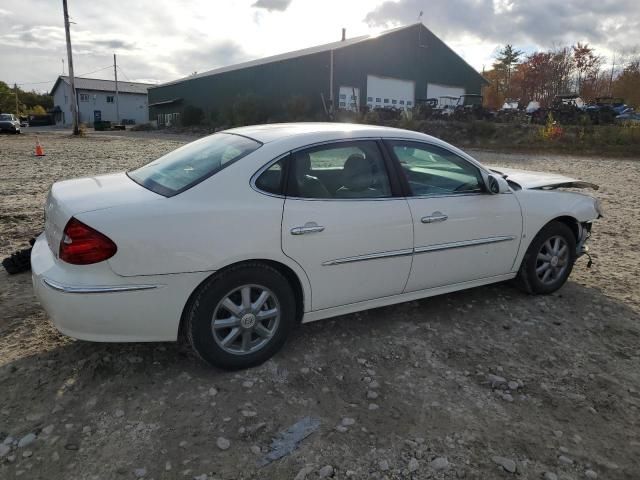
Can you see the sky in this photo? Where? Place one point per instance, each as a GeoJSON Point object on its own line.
{"type": "Point", "coordinates": [163, 40]}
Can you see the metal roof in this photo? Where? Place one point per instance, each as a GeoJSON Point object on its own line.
{"type": "Point", "coordinates": [105, 85]}
{"type": "Point", "coordinates": [286, 56]}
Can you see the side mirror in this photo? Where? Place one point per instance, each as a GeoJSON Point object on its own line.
{"type": "Point", "coordinates": [496, 184]}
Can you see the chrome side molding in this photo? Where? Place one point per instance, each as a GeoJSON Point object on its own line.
{"type": "Point", "coordinates": [418, 250]}
{"type": "Point", "coordinates": [370, 256]}
{"type": "Point", "coordinates": [462, 244]}
{"type": "Point", "coordinates": [95, 288]}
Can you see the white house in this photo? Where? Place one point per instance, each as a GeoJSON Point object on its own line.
{"type": "Point", "coordinates": [97, 101]}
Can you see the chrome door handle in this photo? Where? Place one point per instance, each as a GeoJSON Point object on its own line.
{"type": "Point", "coordinates": [309, 227]}
{"type": "Point", "coordinates": [436, 217]}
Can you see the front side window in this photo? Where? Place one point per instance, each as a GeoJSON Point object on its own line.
{"type": "Point", "coordinates": [431, 170]}
{"type": "Point", "coordinates": [189, 165]}
{"type": "Point", "coordinates": [339, 171]}
{"type": "Point", "coordinates": [110, 99]}
{"type": "Point", "coordinates": [84, 97]}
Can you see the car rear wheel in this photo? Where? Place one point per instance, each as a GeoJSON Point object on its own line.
{"type": "Point", "coordinates": [241, 317]}
{"type": "Point", "coordinates": [549, 260]}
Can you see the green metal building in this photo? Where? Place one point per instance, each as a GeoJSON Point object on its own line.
{"type": "Point", "coordinates": [393, 69]}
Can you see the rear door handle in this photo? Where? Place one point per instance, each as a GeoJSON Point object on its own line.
{"type": "Point", "coordinates": [434, 218]}
{"type": "Point", "coordinates": [309, 227]}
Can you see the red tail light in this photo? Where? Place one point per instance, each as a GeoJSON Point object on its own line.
{"type": "Point", "coordinates": [82, 245]}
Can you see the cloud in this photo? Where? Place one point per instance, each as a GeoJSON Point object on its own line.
{"type": "Point", "coordinates": [203, 58]}
{"type": "Point", "coordinates": [272, 5]}
{"type": "Point", "coordinates": [112, 44]}
{"type": "Point", "coordinates": [543, 22]}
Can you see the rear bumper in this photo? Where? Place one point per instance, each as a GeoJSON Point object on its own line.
{"type": "Point", "coordinates": [92, 303]}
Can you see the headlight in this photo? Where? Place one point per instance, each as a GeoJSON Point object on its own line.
{"type": "Point", "coordinates": [598, 206]}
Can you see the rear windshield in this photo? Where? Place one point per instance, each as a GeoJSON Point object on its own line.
{"type": "Point", "coordinates": [189, 165]}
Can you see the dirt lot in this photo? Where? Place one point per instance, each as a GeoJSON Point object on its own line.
{"type": "Point", "coordinates": [399, 392]}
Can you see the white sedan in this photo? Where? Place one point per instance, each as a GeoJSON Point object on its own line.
{"type": "Point", "coordinates": [235, 238]}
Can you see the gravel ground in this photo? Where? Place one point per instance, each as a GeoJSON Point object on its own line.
{"type": "Point", "coordinates": [483, 384]}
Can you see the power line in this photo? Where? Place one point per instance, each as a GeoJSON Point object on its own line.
{"type": "Point", "coordinates": [125, 75]}
{"type": "Point", "coordinates": [80, 75]}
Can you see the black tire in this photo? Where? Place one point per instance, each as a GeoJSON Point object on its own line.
{"type": "Point", "coordinates": [527, 278]}
{"type": "Point", "coordinates": [201, 308]}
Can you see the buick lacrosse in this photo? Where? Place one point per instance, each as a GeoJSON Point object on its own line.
{"type": "Point", "coordinates": [235, 238]}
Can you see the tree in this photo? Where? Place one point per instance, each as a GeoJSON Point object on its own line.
{"type": "Point", "coordinates": [26, 100]}
{"type": "Point", "coordinates": [586, 63]}
{"type": "Point", "coordinates": [506, 59]}
{"type": "Point", "coordinates": [627, 84]}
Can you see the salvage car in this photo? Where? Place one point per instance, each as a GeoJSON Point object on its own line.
{"type": "Point", "coordinates": [232, 240]}
{"type": "Point", "coordinates": [9, 123]}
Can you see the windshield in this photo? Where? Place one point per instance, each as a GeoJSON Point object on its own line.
{"type": "Point", "coordinates": [6, 116]}
{"type": "Point", "coordinates": [187, 166]}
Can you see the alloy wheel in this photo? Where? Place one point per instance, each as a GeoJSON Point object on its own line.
{"type": "Point", "coordinates": [552, 260]}
{"type": "Point", "coordinates": [246, 319]}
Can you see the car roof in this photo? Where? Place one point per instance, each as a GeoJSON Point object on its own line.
{"type": "Point", "coordinates": [308, 133]}
{"type": "Point", "coordinates": [280, 131]}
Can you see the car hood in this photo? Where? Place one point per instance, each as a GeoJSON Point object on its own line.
{"type": "Point", "coordinates": [541, 180]}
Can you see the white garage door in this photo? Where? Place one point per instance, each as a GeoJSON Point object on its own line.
{"type": "Point", "coordinates": [435, 90]}
{"type": "Point", "coordinates": [390, 92]}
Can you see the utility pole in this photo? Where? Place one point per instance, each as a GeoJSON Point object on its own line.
{"type": "Point", "coordinates": [15, 89]}
{"type": "Point", "coordinates": [74, 97]}
{"type": "Point", "coordinates": [115, 73]}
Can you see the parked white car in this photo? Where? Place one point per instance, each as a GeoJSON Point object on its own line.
{"type": "Point", "coordinates": [235, 238]}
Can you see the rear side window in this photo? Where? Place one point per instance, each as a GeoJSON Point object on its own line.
{"type": "Point", "coordinates": [339, 171]}
{"type": "Point", "coordinates": [272, 179]}
{"type": "Point", "coordinates": [189, 165]}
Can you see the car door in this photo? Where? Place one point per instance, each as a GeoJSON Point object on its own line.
{"type": "Point", "coordinates": [345, 225]}
{"type": "Point", "coordinates": [461, 232]}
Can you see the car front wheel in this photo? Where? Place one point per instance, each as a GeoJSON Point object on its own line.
{"type": "Point", "coordinates": [241, 317]}
{"type": "Point", "coordinates": [549, 260]}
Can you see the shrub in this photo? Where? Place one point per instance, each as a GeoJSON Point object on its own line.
{"type": "Point", "coordinates": [249, 109]}
{"type": "Point", "coordinates": [142, 127]}
{"type": "Point", "coordinates": [192, 116]}
{"type": "Point", "coordinates": [297, 108]}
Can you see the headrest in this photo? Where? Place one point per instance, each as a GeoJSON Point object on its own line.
{"type": "Point", "coordinates": [303, 165]}
{"type": "Point", "coordinates": [357, 173]}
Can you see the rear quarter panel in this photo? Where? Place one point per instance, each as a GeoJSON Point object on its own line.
{"type": "Point", "coordinates": [219, 222]}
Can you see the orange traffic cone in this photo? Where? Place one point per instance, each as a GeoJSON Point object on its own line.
{"type": "Point", "coordinates": [39, 149]}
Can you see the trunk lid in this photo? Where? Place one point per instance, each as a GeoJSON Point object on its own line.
{"type": "Point", "coordinates": [541, 180]}
{"type": "Point", "coordinates": [73, 197]}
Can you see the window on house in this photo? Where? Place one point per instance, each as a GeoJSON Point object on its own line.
{"type": "Point", "coordinates": [84, 97]}
{"type": "Point", "coordinates": [378, 100]}
{"type": "Point", "coordinates": [369, 99]}
{"type": "Point", "coordinates": [386, 100]}
{"type": "Point", "coordinates": [401, 102]}
{"type": "Point", "coordinates": [409, 103]}
{"type": "Point", "coordinates": [343, 104]}
{"type": "Point", "coordinates": [394, 101]}
{"type": "Point", "coordinates": [109, 98]}
{"type": "Point", "coordinates": [343, 96]}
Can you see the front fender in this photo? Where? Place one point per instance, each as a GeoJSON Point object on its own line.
{"type": "Point", "coordinates": [540, 207]}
